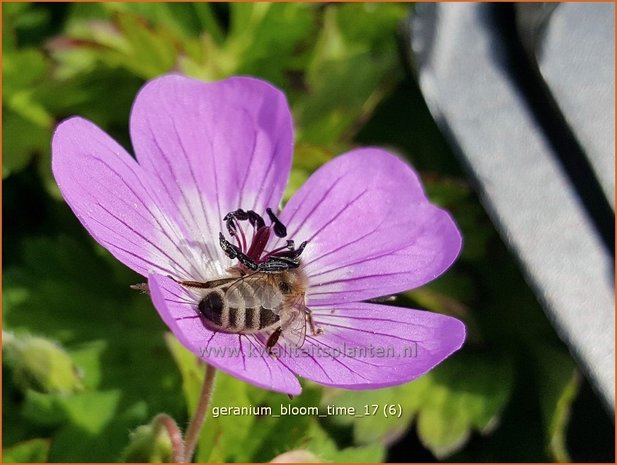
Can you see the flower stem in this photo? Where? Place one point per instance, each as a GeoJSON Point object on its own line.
{"type": "Point", "coordinates": [192, 433]}
{"type": "Point", "coordinates": [177, 444]}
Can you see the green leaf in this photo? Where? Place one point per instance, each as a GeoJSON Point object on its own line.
{"type": "Point", "coordinates": [91, 412]}
{"type": "Point", "coordinates": [261, 40]}
{"type": "Point", "coordinates": [341, 97]}
{"type": "Point", "coordinates": [9, 39]}
{"type": "Point", "coordinates": [183, 19]}
{"type": "Point", "coordinates": [326, 450]}
{"type": "Point", "coordinates": [74, 441]}
{"type": "Point", "coordinates": [88, 357]}
{"type": "Point", "coordinates": [276, 435]}
{"type": "Point", "coordinates": [370, 424]}
{"type": "Point", "coordinates": [208, 21]}
{"type": "Point", "coordinates": [43, 409]}
{"type": "Point", "coordinates": [456, 195]}
{"type": "Point", "coordinates": [558, 382]}
{"type": "Point", "coordinates": [64, 290]}
{"type": "Point", "coordinates": [464, 394]}
{"type": "Point", "coordinates": [26, 122]}
{"type": "Point", "coordinates": [373, 453]}
{"type": "Point", "coordinates": [22, 70]}
{"type": "Point", "coordinates": [191, 370]}
{"type": "Point", "coordinates": [151, 50]}
{"type": "Point", "coordinates": [130, 42]}
{"type": "Point", "coordinates": [32, 451]}
{"type": "Point", "coordinates": [22, 141]}
{"type": "Point", "coordinates": [225, 439]}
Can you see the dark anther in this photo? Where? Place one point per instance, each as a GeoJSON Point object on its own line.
{"type": "Point", "coordinates": [299, 250]}
{"type": "Point", "coordinates": [278, 264]}
{"type": "Point", "coordinates": [279, 228]}
{"type": "Point", "coordinates": [251, 255]}
{"type": "Point", "coordinates": [292, 253]}
{"type": "Point", "coordinates": [255, 220]}
{"type": "Point", "coordinates": [231, 228]}
{"type": "Point", "coordinates": [246, 261]}
{"type": "Point", "coordinates": [232, 218]}
{"type": "Point", "coordinates": [230, 250]}
{"type": "Point", "coordinates": [233, 251]}
{"type": "Point", "coordinates": [239, 214]}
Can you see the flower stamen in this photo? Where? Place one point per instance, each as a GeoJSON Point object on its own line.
{"type": "Point", "coordinates": [254, 257]}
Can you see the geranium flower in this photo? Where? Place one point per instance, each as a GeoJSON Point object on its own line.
{"type": "Point", "coordinates": [203, 150]}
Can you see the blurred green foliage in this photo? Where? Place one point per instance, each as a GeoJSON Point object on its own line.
{"type": "Point", "coordinates": [505, 397]}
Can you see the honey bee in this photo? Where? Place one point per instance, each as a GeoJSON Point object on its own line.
{"type": "Point", "coordinates": [264, 293]}
{"type": "Point", "coordinates": [258, 303]}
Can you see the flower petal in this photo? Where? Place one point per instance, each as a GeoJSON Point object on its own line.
{"type": "Point", "coordinates": [113, 199]}
{"type": "Point", "coordinates": [371, 230]}
{"type": "Point", "coordinates": [214, 147]}
{"type": "Point", "coordinates": [366, 346]}
{"type": "Point", "coordinates": [241, 356]}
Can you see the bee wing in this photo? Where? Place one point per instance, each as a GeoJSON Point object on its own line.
{"type": "Point", "coordinates": [268, 295]}
{"type": "Point", "coordinates": [241, 291]}
{"type": "Point", "coordinates": [294, 324]}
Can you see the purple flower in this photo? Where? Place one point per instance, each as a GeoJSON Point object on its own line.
{"type": "Point", "coordinates": [206, 149]}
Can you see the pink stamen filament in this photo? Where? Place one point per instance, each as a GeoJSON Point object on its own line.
{"type": "Point", "coordinates": [260, 240]}
{"type": "Point", "coordinates": [254, 233]}
{"type": "Point", "coordinates": [242, 239]}
{"type": "Point", "coordinates": [269, 254]}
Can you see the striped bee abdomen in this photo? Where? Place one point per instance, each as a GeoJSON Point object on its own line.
{"type": "Point", "coordinates": [267, 318]}
{"type": "Point", "coordinates": [248, 319]}
{"type": "Point", "coordinates": [212, 307]}
{"type": "Point", "coordinates": [215, 308]}
{"type": "Point", "coordinates": [232, 319]}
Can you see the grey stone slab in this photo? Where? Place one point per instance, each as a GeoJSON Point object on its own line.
{"type": "Point", "coordinates": [576, 56]}
{"type": "Point", "coordinates": [460, 68]}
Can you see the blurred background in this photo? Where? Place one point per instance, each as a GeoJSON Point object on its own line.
{"type": "Point", "coordinates": [86, 360]}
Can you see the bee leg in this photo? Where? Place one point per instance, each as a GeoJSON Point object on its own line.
{"type": "Point", "coordinates": [141, 287]}
{"type": "Point", "coordinates": [196, 284]}
{"type": "Point", "coordinates": [272, 340]}
{"type": "Point", "coordinates": [316, 330]}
